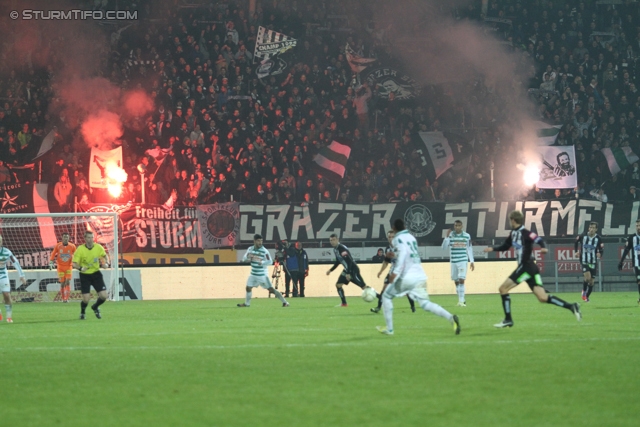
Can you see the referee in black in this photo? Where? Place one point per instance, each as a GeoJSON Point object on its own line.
{"type": "Point", "coordinates": [88, 258]}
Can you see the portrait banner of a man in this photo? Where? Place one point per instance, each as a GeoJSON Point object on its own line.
{"type": "Point", "coordinates": [558, 169]}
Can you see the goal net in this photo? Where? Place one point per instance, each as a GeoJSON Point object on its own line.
{"type": "Point", "coordinates": [32, 237]}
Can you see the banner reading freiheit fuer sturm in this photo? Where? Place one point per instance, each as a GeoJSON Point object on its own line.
{"type": "Point", "coordinates": [152, 228]}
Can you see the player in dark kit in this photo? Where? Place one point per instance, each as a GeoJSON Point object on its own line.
{"type": "Point", "coordinates": [633, 244]}
{"type": "Point", "coordinates": [389, 259]}
{"type": "Point", "coordinates": [351, 272]}
{"type": "Point", "coordinates": [522, 241]}
{"type": "Point", "coordinates": [589, 248]}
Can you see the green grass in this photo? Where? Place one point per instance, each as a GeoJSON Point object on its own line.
{"type": "Point", "coordinates": [208, 363]}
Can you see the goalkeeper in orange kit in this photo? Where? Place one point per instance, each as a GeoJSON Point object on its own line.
{"type": "Point", "coordinates": [62, 255]}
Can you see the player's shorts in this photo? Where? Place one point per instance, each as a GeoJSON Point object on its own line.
{"type": "Point", "coordinates": [94, 279]}
{"type": "Point", "coordinates": [259, 281]}
{"type": "Point", "coordinates": [637, 273]}
{"type": "Point", "coordinates": [5, 286]}
{"type": "Point", "coordinates": [458, 271]}
{"type": "Point", "coordinates": [415, 289]}
{"type": "Point", "coordinates": [65, 274]}
{"type": "Point", "coordinates": [590, 268]}
{"type": "Point", "coordinates": [527, 272]}
{"type": "Point", "coordinates": [356, 278]}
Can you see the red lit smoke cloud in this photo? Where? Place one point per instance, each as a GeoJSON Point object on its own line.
{"type": "Point", "coordinates": [75, 53]}
{"type": "Point", "coordinates": [102, 129]}
{"type": "Point", "coordinates": [137, 103]}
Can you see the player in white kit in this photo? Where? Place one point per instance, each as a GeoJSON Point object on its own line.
{"type": "Point", "coordinates": [460, 252]}
{"type": "Point", "coordinates": [408, 278]}
{"type": "Point", "coordinates": [7, 256]}
{"type": "Point", "coordinates": [260, 258]}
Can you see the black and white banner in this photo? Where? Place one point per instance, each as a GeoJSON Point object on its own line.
{"type": "Point", "coordinates": [439, 151]}
{"type": "Point", "coordinates": [153, 228]}
{"type": "Point", "coordinates": [429, 222]}
{"type": "Point", "coordinates": [190, 230]}
{"type": "Point", "coordinates": [15, 198]}
{"type": "Point", "coordinates": [270, 43]}
{"type": "Point", "coordinates": [357, 62]}
{"type": "Point", "coordinates": [24, 236]}
{"type": "Point", "coordinates": [219, 224]}
{"type": "Point", "coordinates": [390, 80]}
{"type": "Point", "coordinates": [558, 169]}
{"type": "Point", "coordinates": [271, 67]}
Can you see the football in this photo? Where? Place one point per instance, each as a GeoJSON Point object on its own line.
{"type": "Point", "coordinates": [369, 294]}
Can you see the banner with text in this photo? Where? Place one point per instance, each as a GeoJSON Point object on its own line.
{"type": "Point", "coordinates": [219, 224]}
{"type": "Point", "coordinates": [429, 222]}
{"type": "Point", "coordinates": [190, 230]}
{"type": "Point", "coordinates": [153, 228]}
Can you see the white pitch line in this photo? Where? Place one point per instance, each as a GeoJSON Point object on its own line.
{"type": "Point", "coordinates": [382, 340]}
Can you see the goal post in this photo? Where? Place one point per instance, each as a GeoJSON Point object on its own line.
{"type": "Point", "coordinates": [31, 237]}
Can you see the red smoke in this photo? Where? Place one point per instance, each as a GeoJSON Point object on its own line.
{"type": "Point", "coordinates": [101, 130]}
{"type": "Point", "coordinates": [137, 103]}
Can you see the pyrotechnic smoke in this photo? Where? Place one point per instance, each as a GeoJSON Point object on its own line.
{"type": "Point", "coordinates": [75, 52]}
{"type": "Point", "coordinates": [137, 103]}
{"type": "Point", "coordinates": [102, 129]}
{"type": "Point", "coordinates": [461, 56]}
{"type": "Point", "coordinates": [439, 49]}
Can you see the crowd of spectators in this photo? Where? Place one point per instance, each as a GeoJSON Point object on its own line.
{"type": "Point", "coordinates": [229, 135]}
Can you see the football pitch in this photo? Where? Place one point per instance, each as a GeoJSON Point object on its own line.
{"type": "Point", "coordinates": [209, 363]}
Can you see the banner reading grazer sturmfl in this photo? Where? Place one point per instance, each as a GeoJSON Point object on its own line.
{"type": "Point", "coordinates": [219, 224]}
{"type": "Point", "coordinates": [558, 167]}
{"type": "Point", "coordinates": [429, 222]}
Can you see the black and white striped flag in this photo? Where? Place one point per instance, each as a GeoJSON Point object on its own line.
{"type": "Point", "coordinates": [270, 43]}
{"type": "Point", "coordinates": [331, 161]}
{"type": "Point", "coordinates": [357, 62]}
